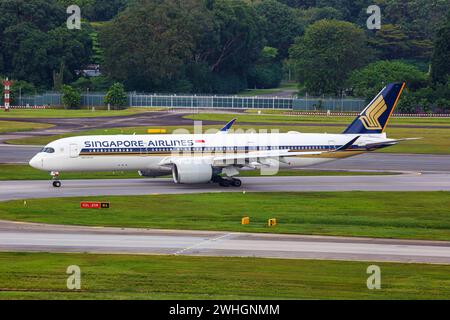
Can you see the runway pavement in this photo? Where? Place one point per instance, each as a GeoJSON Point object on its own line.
{"type": "Point", "coordinates": [29, 237]}
{"type": "Point", "coordinates": [10, 190]}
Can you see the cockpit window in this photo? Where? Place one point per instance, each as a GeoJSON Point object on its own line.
{"type": "Point", "coordinates": [48, 150]}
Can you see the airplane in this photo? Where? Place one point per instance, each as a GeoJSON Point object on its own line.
{"type": "Point", "coordinates": [219, 157]}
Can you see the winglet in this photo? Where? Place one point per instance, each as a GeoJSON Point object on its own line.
{"type": "Point", "coordinates": [227, 126]}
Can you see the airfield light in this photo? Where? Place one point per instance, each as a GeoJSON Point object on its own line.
{"type": "Point", "coordinates": [7, 91]}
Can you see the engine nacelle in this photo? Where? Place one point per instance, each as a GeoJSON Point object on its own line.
{"type": "Point", "coordinates": [155, 172]}
{"type": "Point", "coordinates": [189, 170]}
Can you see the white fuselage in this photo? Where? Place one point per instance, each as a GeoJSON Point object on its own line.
{"type": "Point", "coordinates": [146, 152]}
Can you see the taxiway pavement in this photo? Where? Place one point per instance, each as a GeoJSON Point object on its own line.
{"type": "Point", "coordinates": [29, 237]}
{"type": "Point", "coordinates": [10, 190]}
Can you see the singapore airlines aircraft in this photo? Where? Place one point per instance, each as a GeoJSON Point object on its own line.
{"type": "Point", "coordinates": [218, 158]}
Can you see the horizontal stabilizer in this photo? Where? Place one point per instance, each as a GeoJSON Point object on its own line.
{"type": "Point", "coordinates": [388, 143]}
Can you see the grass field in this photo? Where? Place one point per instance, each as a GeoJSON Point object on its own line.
{"type": "Point", "coordinates": [435, 140]}
{"type": "Point", "coordinates": [25, 172]}
{"type": "Point", "coordinates": [43, 276]}
{"type": "Point", "coordinates": [62, 113]}
{"type": "Point", "coordinates": [414, 215]}
{"type": "Point", "coordinates": [16, 126]}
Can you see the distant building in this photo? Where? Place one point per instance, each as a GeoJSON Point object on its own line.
{"type": "Point", "coordinates": [91, 70]}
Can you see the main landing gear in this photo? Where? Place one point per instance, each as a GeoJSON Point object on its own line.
{"type": "Point", "coordinates": [55, 178]}
{"type": "Point", "coordinates": [227, 182]}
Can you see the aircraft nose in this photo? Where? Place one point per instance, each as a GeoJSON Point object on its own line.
{"type": "Point", "coordinates": [35, 162]}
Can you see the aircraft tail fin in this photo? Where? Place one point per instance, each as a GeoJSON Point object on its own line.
{"type": "Point", "coordinates": [375, 117]}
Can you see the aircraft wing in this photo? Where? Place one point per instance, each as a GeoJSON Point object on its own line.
{"type": "Point", "coordinates": [255, 156]}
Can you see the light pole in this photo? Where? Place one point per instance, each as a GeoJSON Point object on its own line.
{"type": "Point", "coordinates": [87, 98]}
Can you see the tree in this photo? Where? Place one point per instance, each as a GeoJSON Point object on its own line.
{"type": "Point", "coordinates": [34, 41]}
{"type": "Point", "coordinates": [328, 52]}
{"type": "Point", "coordinates": [72, 48]}
{"type": "Point", "coordinates": [100, 83]}
{"type": "Point", "coordinates": [104, 10]}
{"type": "Point", "coordinates": [116, 96]}
{"type": "Point", "coordinates": [24, 50]}
{"type": "Point", "coordinates": [97, 10]}
{"type": "Point", "coordinates": [311, 15]}
{"type": "Point", "coordinates": [368, 81]}
{"type": "Point", "coordinates": [440, 63]}
{"type": "Point", "coordinates": [191, 44]}
{"type": "Point", "coordinates": [427, 99]}
{"type": "Point", "coordinates": [43, 14]}
{"type": "Point", "coordinates": [146, 46]}
{"type": "Point", "coordinates": [224, 56]}
{"type": "Point", "coordinates": [282, 25]}
{"type": "Point", "coordinates": [299, 3]}
{"type": "Point", "coordinates": [71, 98]}
{"type": "Point", "coordinates": [268, 72]}
{"type": "Point", "coordinates": [412, 25]}
{"type": "Point", "coordinates": [390, 42]}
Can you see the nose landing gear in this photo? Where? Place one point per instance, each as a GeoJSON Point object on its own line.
{"type": "Point", "coordinates": [55, 178]}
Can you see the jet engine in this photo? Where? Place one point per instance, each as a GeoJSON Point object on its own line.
{"type": "Point", "coordinates": [190, 170]}
{"type": "Point", "coordinates": [155, 172]}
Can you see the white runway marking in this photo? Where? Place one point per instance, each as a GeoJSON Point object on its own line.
{"type": "Point", "coordinates": [202, 244]}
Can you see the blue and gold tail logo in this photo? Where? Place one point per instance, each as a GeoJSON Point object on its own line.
{"type": "Point", "coordinates": [375, 117]}
{"type": "Point", "coordinates": [373, 113]}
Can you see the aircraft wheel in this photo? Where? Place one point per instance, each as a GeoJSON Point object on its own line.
{"type": "Point", "coordinates": [57, 184]}
{"type": "Point", "coordinates": [236, 183]}
{"type": "Point", "coordinates": [225, 183]}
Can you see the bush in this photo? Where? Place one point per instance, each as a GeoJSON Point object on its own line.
{"type": "Point", "coordinates": [116, 96]}
{"type": "Point", "coordinates": [71, 98]}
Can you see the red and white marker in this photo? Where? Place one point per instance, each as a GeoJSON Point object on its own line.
{"type": "Point", "coordinates": [7, 85]}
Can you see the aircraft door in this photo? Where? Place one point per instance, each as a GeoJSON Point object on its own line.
{"type": "Point", "coordinates": [74, 151]}
{"type": "Point", "coordinates": [332, 144]}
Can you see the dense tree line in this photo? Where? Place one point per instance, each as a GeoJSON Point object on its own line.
{"type": "Point", "coordinates": [35, 43]}
{"type": "Point", "coordinates": [224, 46]}
{"type": "Point", "coordinates": [188, 46]}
